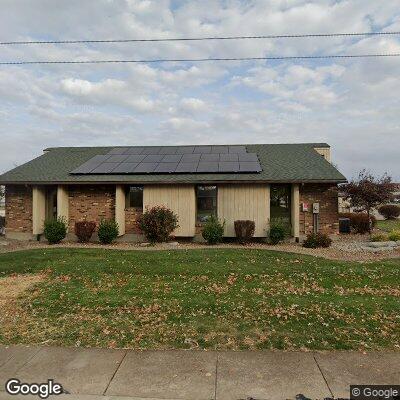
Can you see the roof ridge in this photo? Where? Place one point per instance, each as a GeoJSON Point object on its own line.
{"type": "Point", "coordinates": [320, 144]}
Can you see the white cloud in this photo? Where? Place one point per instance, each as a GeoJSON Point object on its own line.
{"type": "Point", "coordinates": [342, 102]}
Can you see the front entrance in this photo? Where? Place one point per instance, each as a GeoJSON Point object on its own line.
{"type": "Point", "coordinates": [281, 206]}
{"type": "Point", "coordinates": [51, 202]}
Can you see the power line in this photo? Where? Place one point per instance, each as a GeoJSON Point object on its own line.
{"type": "Point", "coordinates": [288, 36]}
{"type": "Point", "coordinates": [163, 60]}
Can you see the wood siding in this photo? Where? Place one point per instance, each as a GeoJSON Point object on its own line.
{"type": "Point", "coordinates": [244, 201]}
{"type": "Point", "coordinates": [179, 198]}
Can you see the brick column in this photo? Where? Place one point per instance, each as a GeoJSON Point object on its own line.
{"type": "Point", "coordinates": [62, 202]}
{"type": "Point", "coordinates": [38, 209]}
{"type": "Point", "coordinates": [120, 208]}
{"type": "Point", "coordinates": [295, 211]}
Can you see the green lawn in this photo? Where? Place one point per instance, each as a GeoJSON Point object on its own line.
{"type": "Point", "coordinates": [216, 298]}
{"type": "Point", "coordinates": [389, 225]}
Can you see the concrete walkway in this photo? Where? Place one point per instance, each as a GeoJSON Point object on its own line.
{"type": "Point", "coordinates": [101, 374]}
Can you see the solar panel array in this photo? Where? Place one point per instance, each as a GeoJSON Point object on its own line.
{"type": "Point", "coordinates": [172, 159]}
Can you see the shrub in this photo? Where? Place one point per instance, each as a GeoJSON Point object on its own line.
{"type": "Point", "coordinates": [389, 211]}
{"type": "Point", "coordinates": [157, 223]}
{"type": "Point", "coordinates": [314, 240]}
{"type": "Point", "coordinates": [108, 231]}
{"type": "Point", "coordinates": [84, 230]}
{"type": "Point", "coordinates": [55, 229]}
{"type": "Point", "coordinates": [359, 221]}
{"type": "Point", "coordinates": [379, 237]}
{"type": "Point", "coordinates": [394, 236]}
{"type": "Point", "coordinates": [279, 230]}
{"type": "Point", "coordinates": [244, 230]}
{"type": "Point", "coordinates": [213, 230]}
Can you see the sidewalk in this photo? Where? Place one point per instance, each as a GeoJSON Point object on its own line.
{"type": "Point", "coordinates": [102, 374]}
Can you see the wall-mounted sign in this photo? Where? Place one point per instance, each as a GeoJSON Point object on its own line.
{"type": "Point", "coordinates": [304, 207]}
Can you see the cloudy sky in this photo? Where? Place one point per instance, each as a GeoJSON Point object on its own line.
{"type": "Point", "coordinates": [354, 105]}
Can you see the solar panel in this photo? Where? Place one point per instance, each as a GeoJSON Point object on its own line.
{"type": "Point", "coordinates": [172, 159]}
{"type": "Point", "coordinates": [209, 157]}
{"type": "Point", "coordinates": [228, 157]}
{"type": "Point", "coordinates": [250, 157]}
{"type": "Point", "coordinates": [202, 149]}
{"type": "Point", "coordinates": [185, 150]}
{"type": "Point", "coordinates": [207, 167]}
{"type": "Point", "coordinates": [166, 167]}
{"type": "Point", "coordinates": [228, 166]}
{"type": "Point", "coordinates": [134, 150]}
{"type": "Point", "coordinates": [186, 167]}
{"type": "Point", "coordinates": [90, 165]}
{"type": "Point", "coordinates": [145, 168]}
{"type": "Point", "coordinates": [125, 168]}
{"type": "Point", "coordinates": [153, 158]}
{"type": "Point", "coordinates": [168, 150]}
{"type": "Point", "coordinates": [117, 158]}
{"type": "Point", "coordinates": [249, 166]}
{"type": "Point", "coordinates": [135, 158]}
{"type": "Point", "coordinates": [105, 168]}
{"type": "Point", "coordinates": [151, 150]}
{"type": "Point", "coordinates": [118, 150]}
{"type": "Point", "coordinates": [219, 149]}
{"type": "Point", "coordinates": [191, 158]}
{"type": "Point", "coordinates": [237, 149]}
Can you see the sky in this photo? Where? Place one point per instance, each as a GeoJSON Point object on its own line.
{"type": "Point", "coordinates": [354, 105]}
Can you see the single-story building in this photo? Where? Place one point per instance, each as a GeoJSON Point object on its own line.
{"type": "Point", "coordinates": [292, 183]}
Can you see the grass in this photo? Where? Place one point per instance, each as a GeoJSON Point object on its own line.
{"type": "Point", "coordinates": [213, 299]}
{"type": "Point", "coordinates": [389, 225]}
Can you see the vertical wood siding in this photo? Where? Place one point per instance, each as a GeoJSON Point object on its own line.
{"type": "Point", "coordinates": [180, 199]}
{"type": "Point", "coordinates": [244, 201]}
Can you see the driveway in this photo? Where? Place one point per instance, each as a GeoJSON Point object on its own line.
{"type": "Point", "coordinates": [107, 374]}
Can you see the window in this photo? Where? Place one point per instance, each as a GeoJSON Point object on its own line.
{"type": "Point", "coordinates": [206, 202]}
{"type": "Point", "coordinates": [135, 197]}
{"type": "Point", "coordinates": [280, 204]}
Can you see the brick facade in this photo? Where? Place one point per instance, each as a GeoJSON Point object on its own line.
{"type": "Point", "coordinates": [19, 208]}
{"type": "Point", "coordinates": [327, 197]}
{"type": "Point", "coordinates": [97, 202]}
{"type": "Point", "coordinates": [91, 203]}
{"type": "Point", "coordinates": [131, 217]}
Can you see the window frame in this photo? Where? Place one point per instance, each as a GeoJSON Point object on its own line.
{"type": "Point", "coordinates": [200, 223]}
{"type": "Point", "coordinates": [128, 197]}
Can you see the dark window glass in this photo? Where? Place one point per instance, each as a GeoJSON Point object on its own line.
{"type": "Point", "coordinates": [280, 204]}
{"type": "Point", "coordinates": [135, 197]}
{"type": "Point", "coordinates": [206, 202]}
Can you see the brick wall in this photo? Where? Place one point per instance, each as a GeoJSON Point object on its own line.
{"type": "Point", "coordinates": [327, 197]}
{"type": "Point", "coordinates": [19, 208]}
{"type": "Point", "coordinates": [91, 203]}
{"type": "Point", "coordinates": [131, 217]}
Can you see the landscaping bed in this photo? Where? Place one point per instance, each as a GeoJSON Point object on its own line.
{"type": "Point", "coordinates": [205, 298]}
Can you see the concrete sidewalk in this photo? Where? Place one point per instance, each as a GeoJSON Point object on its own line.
{"type": "Point", "coordinates": [92, 374]}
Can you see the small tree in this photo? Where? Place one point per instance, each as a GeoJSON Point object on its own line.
{"type": "Point", "coordinates": [367, 192]}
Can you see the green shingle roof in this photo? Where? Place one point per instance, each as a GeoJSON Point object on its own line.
{"type": "Point", "coordinates": [280, 163]}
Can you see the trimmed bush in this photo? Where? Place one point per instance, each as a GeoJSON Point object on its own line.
{"type": "Point", "coordinates": [84, 230]}
{"type": "Point", "coordinates": [389, 211]}
{"type": "Point", "coordinates": [108, 231]}
{"type": "Point", "coordinates": [313, 240]}
{"type": "Point", "coordinates": [379, 237]}
{"type": "Point", "coordinates": [394, 236]}
{"type": "Point", "coordinates": [55, 229]}
{"type": "Point", "coordinates": [2, 224]}
{"type": "Point", "coordinates": [244, 230]}
{"type": "Point", "coordinates": [359, 221]}
{"type": "Point", "coordinates": [213, 230]}
{"type": "Point", "coordinates": [157, 223]}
